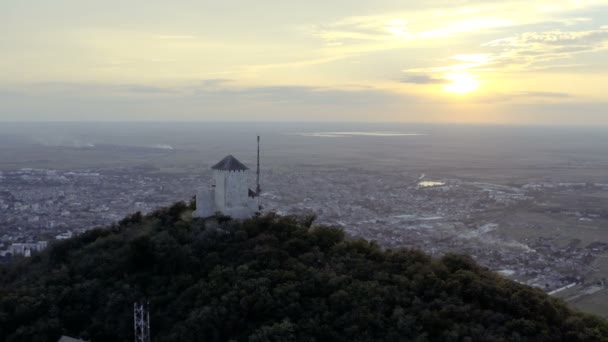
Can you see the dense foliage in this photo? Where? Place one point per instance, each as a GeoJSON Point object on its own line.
{"type": "Point", "coordinates": [269, 278]}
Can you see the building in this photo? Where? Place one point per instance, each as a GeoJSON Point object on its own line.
{"type": "Point", "coordinates": [26, 249]}
{"type": "Point", "coordinates": [64, 236]}
{"type": "Point", "coordinates": [230, 195]}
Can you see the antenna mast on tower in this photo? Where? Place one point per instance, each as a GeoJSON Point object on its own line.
{"type": "Point", "coordinates": [258, 189]}
{"type": "Point", "coordinates": [141, 321]}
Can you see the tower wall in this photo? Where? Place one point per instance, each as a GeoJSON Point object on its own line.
{"type": "Point", "coordinates": [205, 203]}
{"type": "Point", "coordinates": [220, 189]}
{"type": "Point", "coordinates": [231, 189]}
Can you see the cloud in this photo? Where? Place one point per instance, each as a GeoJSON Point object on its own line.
{"type": "Point", "coordinates": [220, 89]}
{"type": "Point", "coordinates": [215, 82]}
{"type": "Point", "coordinates": [441, 19]}
{"type": "Point", "coordinates": [359, 29]}
{"type": "Point", "coordinates": [544, 94]}
{"type": "Point", "coordinates": [557, 38]}
{"type": "Point", "coordinates": [299, 95]}
{"type": "Point", "coordinates": [404, 28]}
{"type": "Point", "coordinates": [229, 101]}
{"type": "Point", "coordinates": [523, 96]}
{"type": "Point", "coordinates": [488, 34]}
{"type": "Point", "coordinates": [423, 79]}
{"type": "Point", "coordinates": [232, 102]}
{"type": "Point", "coordinates": [574, 21]}
{"type": "Point", "coordinates": [145, 89]}
{"type": "Point", "coordinates": [525, 52]}
{"type": "Point", "coordinates": [533, 49]}
{"type": "Point", "coordinates": [60, 89]}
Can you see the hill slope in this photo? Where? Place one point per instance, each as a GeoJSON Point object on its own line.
{"type": "Point", "coordinates": [268, 278]}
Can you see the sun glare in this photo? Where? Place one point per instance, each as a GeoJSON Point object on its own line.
{"type": "Point", "coordinates": [461, 83]}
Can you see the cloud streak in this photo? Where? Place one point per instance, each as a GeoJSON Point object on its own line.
{"type": "Point", "coordinates": [525, 96]}
{"type": "Point", "coordinates": [525, 52]}
{"type": "Point", "coordinates": [206, 99]}
{"type": "Point", "coordinates": [423, 79]}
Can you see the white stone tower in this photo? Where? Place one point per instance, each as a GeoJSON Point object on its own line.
{"type": "Point", "coordinates": [230, 195]}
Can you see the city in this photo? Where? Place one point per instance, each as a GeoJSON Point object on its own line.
{"type": "Point", "coordinates": [490, 222]}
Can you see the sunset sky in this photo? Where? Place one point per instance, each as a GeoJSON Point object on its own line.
{"type": "Point", "coordinates": [507, 62]}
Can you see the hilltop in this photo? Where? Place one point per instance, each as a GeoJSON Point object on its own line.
{"type": "Point", "coordinates": [269, 278]}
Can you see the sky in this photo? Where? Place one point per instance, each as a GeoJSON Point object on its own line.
{"type": "Point", "coordinates": [437, 61]}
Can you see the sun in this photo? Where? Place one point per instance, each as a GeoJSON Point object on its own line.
{"type": "Point", "coordinates": [461, 83]}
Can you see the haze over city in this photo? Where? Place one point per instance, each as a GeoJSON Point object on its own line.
{"type": "Point", "coordinates": [496, 62]}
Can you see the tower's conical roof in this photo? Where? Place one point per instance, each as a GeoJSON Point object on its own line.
{"type": "Point", "coordinates": [229, 163]}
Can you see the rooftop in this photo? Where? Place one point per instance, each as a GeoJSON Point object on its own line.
{"type": "Point", "coordinates": [69, 339]}
{"type": "Point", "coordinates": [230, 163]}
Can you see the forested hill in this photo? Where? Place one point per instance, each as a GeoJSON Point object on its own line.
{"type": "Point", "coordinates": [269, 278]}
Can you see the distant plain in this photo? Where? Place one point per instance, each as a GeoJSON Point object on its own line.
{"type": "Point", "coordinates": [505, 155]}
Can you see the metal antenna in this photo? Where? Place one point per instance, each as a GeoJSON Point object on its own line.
{"type": "Point", "coordinates": [258, 190]}
{"type": "Point", "coordinates": [141, 319]}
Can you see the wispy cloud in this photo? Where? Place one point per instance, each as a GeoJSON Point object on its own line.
{"type": "Point", "coordinates": [146, 89]}
{"type": "Point", "coordinates": [360, 29]}
{"type": "Point", "coordinates": [435, 20]}
{"type": "Point", "coordinates": [401, 29]}
{"type": "Point", "coordinates": [525, 52]}
{"type": "Point", "coordinates": [215, 83]}
{"type": "Point", "coordinates": [208, 100]}
{"type": "Point", "coordinates": [298, 95]}
{"type": "Point", "coordinates": [523, 96]}
{"type": "Point", "coordinates": [536, 49]}
{"type": "Point", "coordinates": [544, 94]}
{"type": "Point", "coordinates": [220, 90]}
{"type": "Point", "coordinates": [423, 79]}
{"type": "Point", "coordinates": [438, 21]}
{"type": "Point", "coordinates": [554, 40]}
